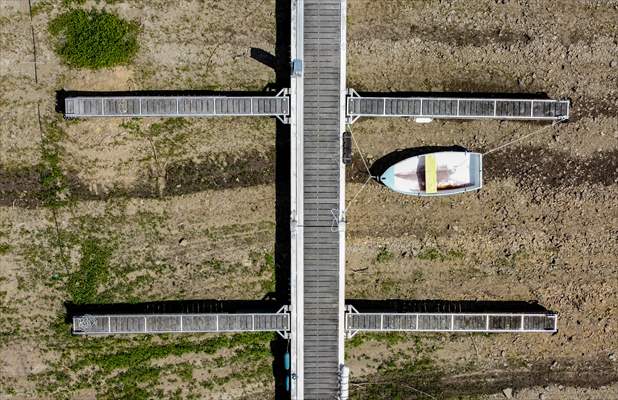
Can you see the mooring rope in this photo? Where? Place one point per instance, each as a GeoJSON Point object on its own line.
{"type": "Point", "coordinates": [370, 176]}
{"type": "Point", "coordinates": [334, 224]}
{"type": "Point", "coordinates": [522, 137]}
{"type": "Point", "coordinates": [360, 152]}
{"type": "Point", "coordinates": [357, 193]}
{"type": "Point", "coordinates": [334, 212]}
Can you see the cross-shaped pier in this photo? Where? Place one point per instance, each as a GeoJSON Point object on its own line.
{"type": "Point", "coordinates": [317, 105]}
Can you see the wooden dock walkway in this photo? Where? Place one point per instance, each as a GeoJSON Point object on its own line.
{"type": "Point", "coordinates": [176, 106]}
{"type": "Point", "coordinates": [100, 324]}
{"type": "Point", "coordinates": [451, 322]}
{"type": "Point", "coordinates": [323, 185]}
{"type": "Point", "coordinates": [456, 108]}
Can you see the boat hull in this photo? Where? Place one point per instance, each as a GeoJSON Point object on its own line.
{"type": "Point", "coordinates": [436, 174]}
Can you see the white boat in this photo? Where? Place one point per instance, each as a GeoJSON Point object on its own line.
{"type": "Point", "coordinates": [436, 174]}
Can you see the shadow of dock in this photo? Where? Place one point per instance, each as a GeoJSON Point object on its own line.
{"type": "Point", "coordinates": [174, 307]}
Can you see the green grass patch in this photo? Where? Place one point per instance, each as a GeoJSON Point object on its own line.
{"type": "Point", "coordinates": [69, 3]}
{"type": "Point", "coordinates": [132, 372]}
{"type": "Point", "coordinates": [80, 257]}
{"type": "Point", "coordinates": [266, 263]}
{"type": "Point", "coordinates": [41, 7]}
{"type": "Point", "coordinates": [269, 262]}
{"type": "Point", "coordinates": [93, 270]}
{"type": "Point", "coordinates": [94, 39]}
{"type": "Point", "coordinates": [384, 255]}
{"type": "Point", "coordinates": [268, 266]}
{"type": "Point", "coordinates": [433, 254]}
{"type": "Point", "coordinates": [54, 190]}
{"type": "Point", "coordinates": [220, 267]}
{"type": "Point", "coordinates": [4, 248]}
{"type": "Point", "coordinates": [9, 318]}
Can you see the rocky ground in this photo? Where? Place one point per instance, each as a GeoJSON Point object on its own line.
{"type": "Point", "coordinates": [198, 218]}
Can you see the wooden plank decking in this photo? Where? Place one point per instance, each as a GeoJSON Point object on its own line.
{"type": "Point", "coordinates": [175, 106]}
{"type": "Point", "coordinates": [179, 323]}
{"type": "Point", "coordinates": [322, 160]}
{"type": "Point", "coordinates": [462, 108]}
{"type": "Point", "coordinates": [451, 322]}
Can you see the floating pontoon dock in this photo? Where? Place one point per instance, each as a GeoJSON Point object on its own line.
{"type": "Point", "coordinates": [317, 106]}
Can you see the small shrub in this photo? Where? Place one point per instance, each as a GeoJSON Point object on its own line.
{"type": "Point", "coordinates": [430, 254]}
{"type": "Point", "coordinates": [269, 262]}
{"type": "Point", "coordinates": [384, 255]}
{"type": "Point", "coordinates": [4, 248]}
{"type": "Point", "coordinates": [94, 39]}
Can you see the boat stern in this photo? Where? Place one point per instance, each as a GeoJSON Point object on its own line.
{"type": "Point", "coordinates": [476, 171]}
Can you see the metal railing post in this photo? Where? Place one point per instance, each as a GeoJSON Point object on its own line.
{"type": "Point", "coordinates": [521, 328]}
{"type": "Point", "coordinates": [532, 109]}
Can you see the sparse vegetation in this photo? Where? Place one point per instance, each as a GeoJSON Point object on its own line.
{"type": "Point", "coordinates": [54, 187]}
{"type": "Point", "coordinates": [93, 270]}
{"type": "Point", "coordinates": [390, 338]}
{"type": "Point", "coordinates": [399, 379]}
{"type": "Point", "coordinates": [132, 367]}
{"type": "Point", "coordinates": [266, 264]}
{"type": "Point", "coordinates": [41, 6]}
{"type": "Point", "coordinates": [73, 2]}
{"type": "Point", "coordinates": [94, 39]}
{"type": "Point", "coordinates": [384, 255]}
{"type": "Point", "coordinates": [433, 254]}
{"type": "Point", "coordinates": [4, 248]}
{"type": "Point", "coordinates": [165, 143]}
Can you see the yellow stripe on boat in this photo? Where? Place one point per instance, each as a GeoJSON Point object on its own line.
{"type": "Point", "coordinates": [431, 174]}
